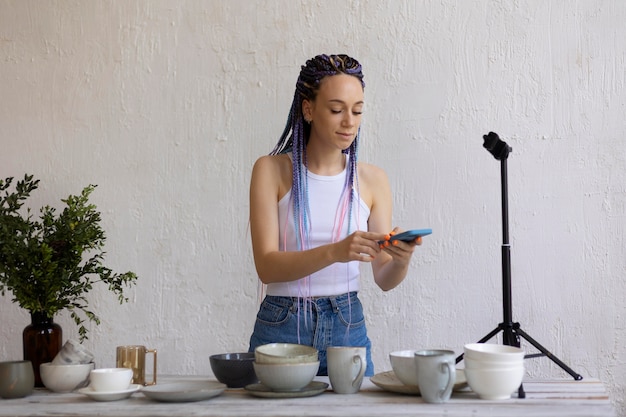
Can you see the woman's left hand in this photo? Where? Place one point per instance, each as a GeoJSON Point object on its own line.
{"type": "Point", "coordinates": [400, 251]}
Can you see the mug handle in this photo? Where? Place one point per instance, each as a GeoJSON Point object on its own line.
{"type": "Point", "coordinates": [358, 359]}
{"type": "Point", "coordinates": [450, 368]}
{"type": "Point", "coordinates": [154, 366]}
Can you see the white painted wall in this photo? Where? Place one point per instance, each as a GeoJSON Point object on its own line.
{"type": "Point", "coordinates": [166, 105]}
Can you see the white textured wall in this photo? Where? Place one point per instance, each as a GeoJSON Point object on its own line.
{"type": "Point", "coordinates": [166, 105]}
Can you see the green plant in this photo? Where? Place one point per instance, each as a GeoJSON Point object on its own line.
{"type": "Point", "coordinates": [50, 264]}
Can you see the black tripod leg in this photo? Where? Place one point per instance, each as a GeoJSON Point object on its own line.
{"type": "Point", "coordinates": [545, 351]}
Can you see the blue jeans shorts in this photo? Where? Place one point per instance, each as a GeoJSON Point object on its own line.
{"type": "Point", "coordinates": [319, 322]}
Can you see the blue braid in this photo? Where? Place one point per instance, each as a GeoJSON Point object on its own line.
{"type": "Point", "coordinates": [295, 136]}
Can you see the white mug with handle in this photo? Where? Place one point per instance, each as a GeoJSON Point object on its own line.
{"type": "Point", "coordinates": [346, 367]}
{"type": "Point", "coordinates": [436, 374]}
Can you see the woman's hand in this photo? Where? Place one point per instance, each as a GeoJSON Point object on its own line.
{"type": "Point", "coordinates": [359, 246]}
{"type": "Point", "coordinates": [400, 251]}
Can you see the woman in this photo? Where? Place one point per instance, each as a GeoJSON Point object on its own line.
{"type": "Point", "coordinates": [316, 214]}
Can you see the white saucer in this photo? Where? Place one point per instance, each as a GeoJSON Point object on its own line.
{"type": "Point", "coordinates": [390, 382]}
{"type": "Point", "coordinates": [109, 395]}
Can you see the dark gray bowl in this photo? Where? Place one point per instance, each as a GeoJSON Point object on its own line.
{"type": "Point", "coordinates": [234, 369]}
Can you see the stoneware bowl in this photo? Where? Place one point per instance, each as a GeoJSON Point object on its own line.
{"type": "Point", "coordinates": [285, 353]}
{"type": "Point", "coordinates": [404, 366]}
{"type": "Point", "coordinates": [474, 364]}
{"type": "Point", "coordinates": [17, 379]}
{"type": "Point", "coordinates": [286, 376]}
{"type": "Point", "coordinates": [234, 369]}
{"type": "Point", "coordinates": [494, 383]}
{"type": "Point", "coordinates": [65, 378]}
{"type": "Point", "coordinates": [110, 379]}
{"type": "Point", "coordinates": [489, 352]}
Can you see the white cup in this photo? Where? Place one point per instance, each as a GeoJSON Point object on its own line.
{"type": "Point", "coordinates": [110, 379]}
{"type": "Point", "coordinates": [346, 367]}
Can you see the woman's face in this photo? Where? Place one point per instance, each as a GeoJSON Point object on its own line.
{"type": "Point", "coordinates": [335, 114]}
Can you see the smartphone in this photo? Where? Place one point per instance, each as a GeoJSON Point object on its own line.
{"type": "Point", "coordinates": [409, 235]}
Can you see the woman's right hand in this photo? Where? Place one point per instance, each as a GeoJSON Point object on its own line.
{"type": "Point", "coordinates": [359, 246]}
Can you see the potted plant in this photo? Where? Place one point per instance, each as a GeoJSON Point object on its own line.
{"type": "Point", "coordinates": [50, 263]}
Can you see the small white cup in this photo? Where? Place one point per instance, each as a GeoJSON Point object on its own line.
{"type": "Point", "coordinates": [110, 379]}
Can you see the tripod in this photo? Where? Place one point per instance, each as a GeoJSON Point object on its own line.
{"type": "Point", "coordinates": [511, 330]}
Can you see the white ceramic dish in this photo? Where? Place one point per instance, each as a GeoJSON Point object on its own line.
{"type": "Point", "coordinates": [184, 391]}
{"type": "Point", "coordinates": [260, 390]}
{"type": "Point", "coordinates": [65, 378]}
{"type": "Point", "coordinates": [390, 382]}
{"type": "Point", "coordinates": [110, 379]}
{"type": "Point", "coordinates": [491, 352]}
{"type": "Point", "coordinates": [494, 384]}
{"type": "Point", "coordinates": [285, 353]}
{"type": "Point", "coordinates": [286, 376]}
{"type": "Point", "coordinates": [111, 395]}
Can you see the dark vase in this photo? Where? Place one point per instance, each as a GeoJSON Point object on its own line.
{"type": "Point", "coordinates": [41, 341]}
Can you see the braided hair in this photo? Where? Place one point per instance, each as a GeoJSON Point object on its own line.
{"type": "Point", "coordinates": [296, 135]}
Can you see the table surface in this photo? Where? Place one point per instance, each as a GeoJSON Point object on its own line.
{"type": "Point", "coordinates": [543, 398]}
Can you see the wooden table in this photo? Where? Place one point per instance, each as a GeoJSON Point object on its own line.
{"type": "Point", "coordinates": [543, 398]}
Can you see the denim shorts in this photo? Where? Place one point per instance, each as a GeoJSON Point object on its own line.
{"type": "Point", "coordinates": [319, 322]}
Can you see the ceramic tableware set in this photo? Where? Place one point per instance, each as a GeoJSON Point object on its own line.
{"type": "Point", "coordinates": [286, 370]}
{"type": "Point", "coordinates": [73, 369]}
{"type": "Point", "coordinates": [492, 371]}
{"type": "Point", "coordinates": [127, 377]}
{"type": "Point", "coordinates": [69, 370]}
{"type": "Point", "coordinates": [276, 370]}
{"type": "Point", "coordinates": [110, 384]}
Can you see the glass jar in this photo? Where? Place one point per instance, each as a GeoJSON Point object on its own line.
{"type": "Point", "coordinates": [41, 341]}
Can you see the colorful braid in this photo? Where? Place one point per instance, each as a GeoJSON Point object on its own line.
{"type": "Point", "coordinates": [296, 134]}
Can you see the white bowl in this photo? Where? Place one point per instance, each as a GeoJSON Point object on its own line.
{"type": "Point", "coordinates": [494, 384]}
{"type": "Point", "coordinates": [469, 364]}
{"type": "Point", "coordinates": [404, 366]}
{"type": "Point", "coordinates": [285, 353]}
{"type": "Point", "coordinates": [110, 379]}
{"type": "Point", "coordinates": [65, 378]}
{"type": "Point", "coordinates": [493, 353]}
{"type": "Point", "coordinates": [286, 376]}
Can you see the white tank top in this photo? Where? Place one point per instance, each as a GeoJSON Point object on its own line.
{"type": "Point", "coordinates": [324, 200]}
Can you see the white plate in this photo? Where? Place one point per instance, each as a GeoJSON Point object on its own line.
{"type": "Point", "coordinates": [260, 390]}
{"type": "Point", "coordinates": [390, 382]}
{"type": "Point", "coordinates": [184, 391]}
{"type": "Point", "coordinates": [109, 395]}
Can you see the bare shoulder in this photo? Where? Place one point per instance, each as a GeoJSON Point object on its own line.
{"type": "Point", "coordinates": [373, 183]}
{"type": "Point", "coordinates": [371, 174]}
{"type": "Point", "coordinates": [272, 164]}
{"type": "Point", "coordinates": [273, 171]}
